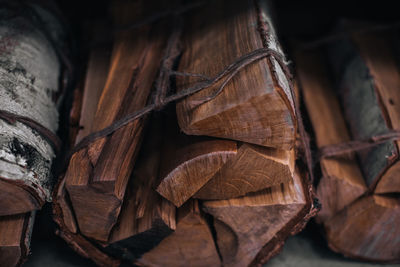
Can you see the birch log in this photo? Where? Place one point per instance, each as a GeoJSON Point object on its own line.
{"type": "Point", "coordinates": [30, 73]}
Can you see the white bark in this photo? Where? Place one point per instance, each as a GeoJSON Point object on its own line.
{"type": "Point", "coordinates": [29, 79]}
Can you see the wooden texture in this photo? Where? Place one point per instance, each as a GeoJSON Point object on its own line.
{"type": "Point", "coordinates": [359, 220]}
{"type": "Point", "coordinates": [256, 105]}
{"type": "Point", "coordinates": [122, 219]}
{"type": "Point", "coordinates": [189, 163]}
{"type": "Point", "coordinates": [146, 218]}
{"type": "Point", "coordinates": [369, 78]}
{"type": "Point", "coordinates": [378, 55]}
{"type": "Point", "coordinates": [210, 168]}
{"type": "Point", "coordinates": [29, 86]}
{"type": "Point", "coordinates": [342, 181]}
{"type": "Point", "coordinates": [97, 177]}
{"type": "Point", "coordinates": [96, 75]}
{"type": "Point", "coordinates": [252, 169]}
{"type": "Point", "coordinates": [254, 220]}
{"type": "Point", "coordinates": [367, 229]}
{"type": "Point", "coordinates": [15, 235]}
{"type": "Point", "coordinates": [190, 245]}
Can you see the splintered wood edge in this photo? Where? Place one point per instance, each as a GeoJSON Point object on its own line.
{"type": "Point", "coordinates": [22, 191]}
{"type": "Point", "coordinates": [379, 200]}
{"type": "Point", "coordinates": [25, 238]}
{"type": "Point", "coordinates": [75, 240]}
{"type": "Point", "coordinates": [294, 226]}
{"type": "Point", "coordinates": [162, 188]}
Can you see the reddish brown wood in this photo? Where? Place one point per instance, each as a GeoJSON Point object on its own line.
{"type": "Point", "coordinates": [210, 168]}
{"type": "Point", "coordinates": [97, 177]}
{"type": "Point", "coordinates": [359, 209]}
{"type": "Point", "coordinates": [257, 105]}
{"type": "Point", "coordinates": [368, 229]}
{"type": "Point", "coordinates": [342, 181]}
{"type": "Point", "coordinates": [189, 163]}
{"type": "Point", "coordinates": [190, 245]}
{"type": "Point", "coordinates": [15, 237]}
{"type": "Point", "coordinates": [252, 169]}
{"type": "Point", "coordinates": [245, 225]}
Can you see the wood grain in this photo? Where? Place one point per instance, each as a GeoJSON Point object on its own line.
{"type": "Point", "coordinates": [367, 229]}
{"type": "Point", "coordinates": [15, 234]}
{"type": "Point", "coordinates": [342, 181]}
{"type": "Point", "coordinates": [254, 220]}
{"type": "Point", "coordinates": [190, 245]}
{"type": "Point", "coordinates": [255, 106]}
{"type": "Point", "coordinates": [252, 169]}
{"type": "Point", "coordinates": [188, 163]}
{"type": "Point", "coordinates": [146, 218]}
{"type": "Point", "coordinates": [134, 64]}
{"type": "Point", "coordinates": [377, 52]}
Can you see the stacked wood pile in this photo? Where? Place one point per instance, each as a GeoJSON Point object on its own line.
{"type": "Point", "coordinates": [30, 91]}
{"type": "Point", "coordinates": [359, 190]}
{"type": "Point", "coordinates": [225, 191]}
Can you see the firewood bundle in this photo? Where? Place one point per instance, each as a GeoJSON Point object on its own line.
{"type": "Point", "coordinates": [358, 190]}
{"type": "Point", "coordinates": [30, 98]}
{"type": "Point", "coordinates": [211, 180]}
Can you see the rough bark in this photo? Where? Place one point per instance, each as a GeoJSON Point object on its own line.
{"type": "Point", "coordinates": [30, 73]}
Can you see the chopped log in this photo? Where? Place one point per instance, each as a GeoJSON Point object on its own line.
{"type": "Point", "coordinates": [97, 176]}
{"type": "Point", "coordinates": [135, 225]}
{"type": "Point", "coordinates": [245, 225]}
{"type": "Point", "coordinates": [189, 163]}
{"type": "Point", "coordinates": [191, 244]}
{"type": "Point", "coordinates": [146, 218]}
{"type": "Point", "coordinates": [210, 168]}
{"type": "Point", "coordinates": [15, 237]}
{"type": "Point", "coordinates": [358, 223]}
{"type": "Point", "coordinates": [256, 106]}
{"type": "Point", "coordinates": [367, 229]}
{"type": "Point", "coordinates": [342, 181]}
{"type": "Point", "coordinates": [97, 69]}
{"type": "Point", "coordinates": [252, 169]}
{"type": "Point", "coordinates": [369, 80]}
{"type": "Point", "coordinates": [30, 71]}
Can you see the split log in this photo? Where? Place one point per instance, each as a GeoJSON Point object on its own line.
{"type": "Point", "coordinates": [125, 220]}
{"type": "Point", "coordinates": [191, 244]}
{"type": "Point", "coordinates": [189, 163]}
{"type": "Point", "coordinates": [358, 221]}
{"type": "Point", "coordinates": [342, 181]}
{"type": "Point", "coordinates": [252, 169]}
{"type": "Point", "coordinates": [244, 226]}
{"type": "Point", "coordinates": [210, 168]}
{"type": "Point", "coordinates": [15, 237]}
{"type": "Point", "coordinates": [369, 80]}
{"type": "Point", "coordinates": [367, 229]}
{"type": "Point", "coordinates": [146, 218]}
{"type": "Point", "coordinates": [30, 71]}
{"type": "Point", "coordinates": [97, 176]}
{"type": "Point", "coordinates": [256, 106]}
{"type": "Point", "coordinates": [125, 235]}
